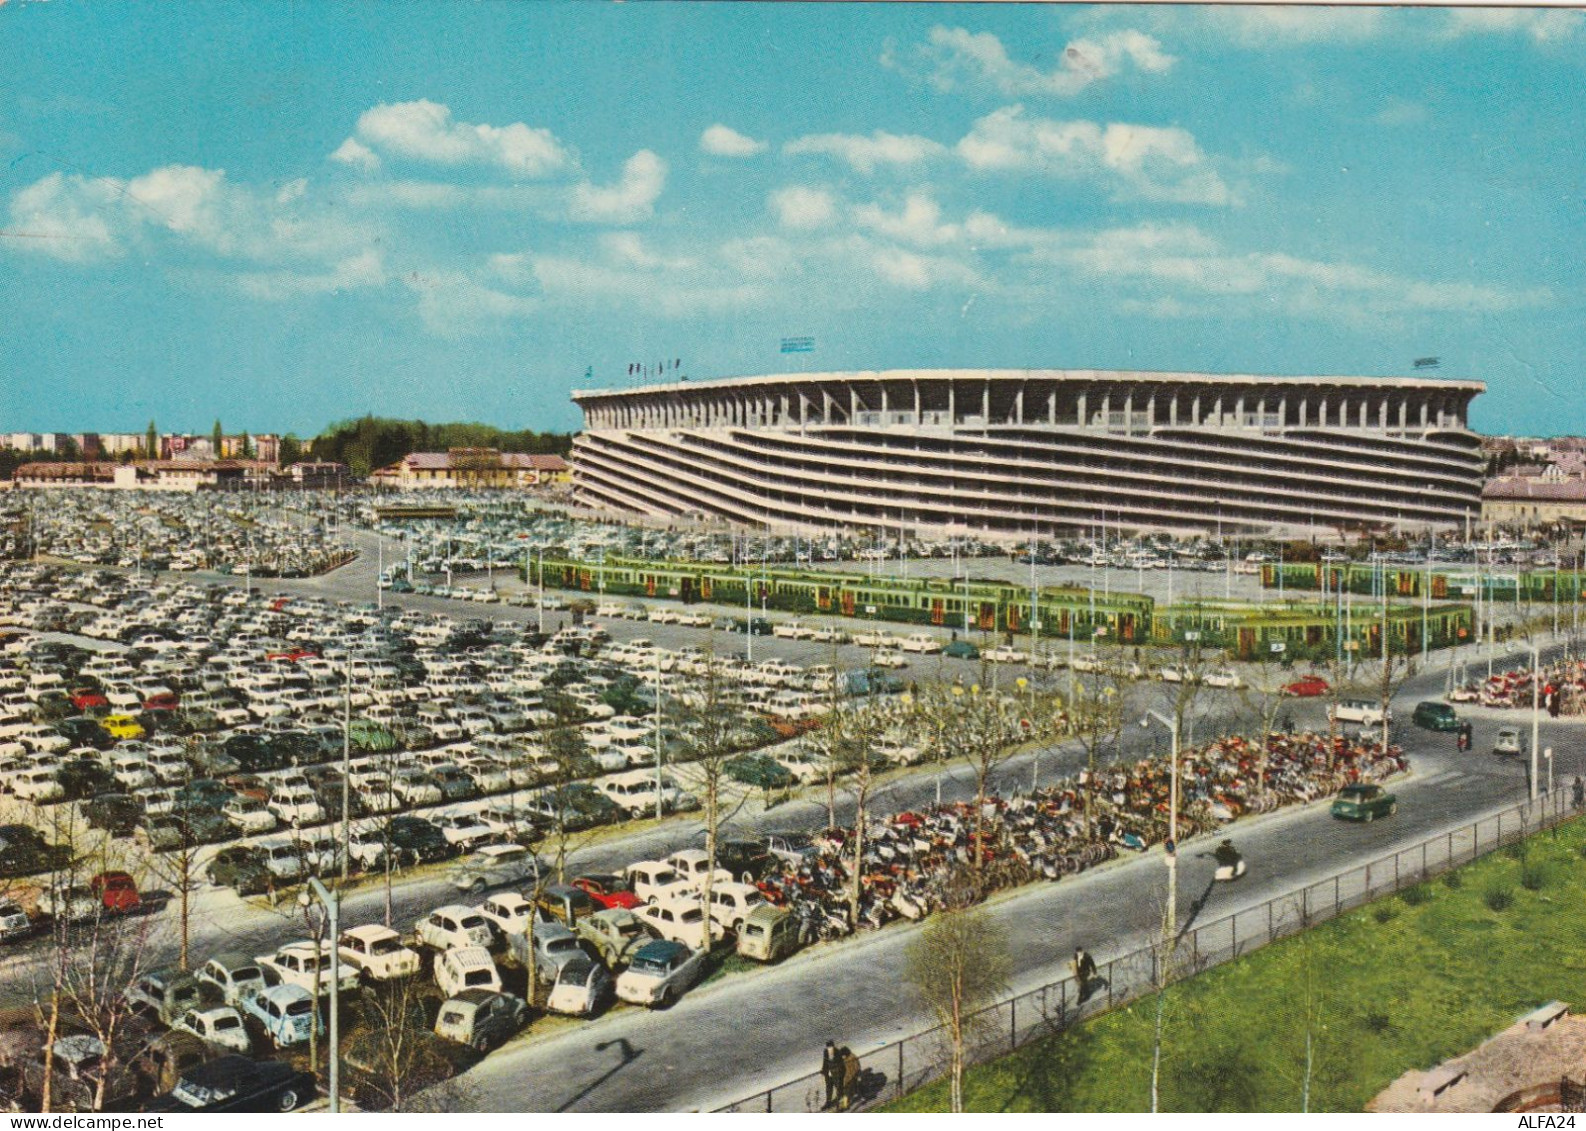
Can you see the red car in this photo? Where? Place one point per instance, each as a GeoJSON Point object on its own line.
{"type": "Point", "coordinates": [607, 891]}
{"type": "Point", "coordinates": [1307, 687]}
{"type": "Point", "coordinates": [86, 699]}
{"type": "Point", "coordinates": [165, 701]}
{"type": "Point", "coordinates": [117, 891]}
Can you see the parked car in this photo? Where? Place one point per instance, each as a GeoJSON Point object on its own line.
{"type": "Point", "coordinates": [165, 994]}
{"type": "Point", "coordinates": [241, 868]}
{"type": "Point", "coordinates": [117, 892]}
{"type": "Point", "coordinates": [1364, 803]}
{"type": "Point", "coordinates": [117, 813]}
{"type": "Point", "coordinates": [377, 953]}
{"type": "Point", "coordinates": [768, 934]}
{"type": "Point", "coordinates": [493, 866]}
{"type": "Point", "coordinates": [239, 1083]}
{"type": "Point", "coordinates": [23, 851]}
{"type": "Point", "coordinates": [759, 770]}
{"type": "Point", "coordinates": [659, 973]}
{"type": "Point", "coordinates": [608, 890]}
{"type": "Point", "coordinates": [83, 1075]}
{"type": "Point", "coordinates": [615, 933]}
{"type": "Point", "coordinates": [231, 977]}
{"type": "Point", "coordinates": [731, 903]}
{"type": "Point", "coordinates": [219, 1025]}
{"type": "Point", "coordinates": [14, 922]}
{"type": "Point", "coordinates": [305, 963]}
{"type": "Point", "coordinates": [287, 1013]}
{"type": "Point", "coordinates": [565, 903]}
{"type": "Point", "coordinates": [481, 1019]}
{"type": "Point", "coordinates": [1508, 742]}
{"type": "Point", "coordinates": [961, 650]}
{"type": "Point", "coordinates": [679, 919]}
{"type": "Point", "coordinates": [466, 968]}
{"type": "Point", "coordinates": [415, 840]}
{"type": "Point", "coordinates": [1367, 712]}
{"type": "Point", "coordinates": [452, 925]}
{"type": "Point", "coordinates": [509, 913]}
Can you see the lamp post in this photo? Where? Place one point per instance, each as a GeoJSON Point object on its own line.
{"type": "Point", "coordinates": [1172, 819]}
{"type": "Point", "coordinates": [332, 906]}
{"type": "Point", "coordinates": [1029, 714]}
{"type": "Point", "coordinates": [1536, 709]}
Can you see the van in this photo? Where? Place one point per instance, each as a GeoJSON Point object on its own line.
{"type": "Point", "coordinates": [769, 934]}
{"type": "Point", "coordinates": [1431, 715]}
{"type": "Point", "coordinates": [1364, 711]}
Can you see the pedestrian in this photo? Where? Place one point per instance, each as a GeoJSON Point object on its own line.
{"type": "Point", "coordinates": [1578, 793]}
{"type": "Point", "coordinates": [848, 1068]}
{"type": "Point", "coordinates": [1084, 971]}
{"type": "Point", "coordinates": [831, 1073]}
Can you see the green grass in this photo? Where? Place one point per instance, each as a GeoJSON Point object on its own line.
{"type": "Point", "coordinates": [1439, 973]}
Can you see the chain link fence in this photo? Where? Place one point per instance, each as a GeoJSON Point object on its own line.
{"type": "Point", "coordinates": [895, 1069]}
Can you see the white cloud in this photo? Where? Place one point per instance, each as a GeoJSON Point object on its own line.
{"type": "Point", "coordinates": [919, 222]}
{"type": "Point", "coordinates": [955, 57]}
{"type": "Point", "coordinates": [355, 153]}
{"type": "Point", "coordinates": [424, 131]}
{"type": "Point", "coordinates": [454, 304]}
{"type": "Point", "coordinates": [631, 199]}
{"type": "Point", "coordinates": [408, 194]}
{"type": "Point", "coordinates": [363, 270]}
{"type": "Point", "coordinates": [671, 294]}
{"type": "Point", "coordinates": [1262, 27]}
{"type": "Point", "coordinates": [864, 154]}
{"type": "Point", "coordinates": [1147, 162]}
{"type": "Point", "coordinates": [799, 207]}
{"type": "Point", "coordinates": [72, 218]}
{"type": "Point", "coordinates": [1542, 26]}
{"type": "Point", "coordinates": [723, 141]}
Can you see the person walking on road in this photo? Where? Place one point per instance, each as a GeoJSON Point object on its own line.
{"type": "Point", "coordinates": [1084, 972]}
{"type": "Point", "coordinates": [831, 1073]}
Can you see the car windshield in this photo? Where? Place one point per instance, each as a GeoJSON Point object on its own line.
{"type": "Point", "coordinates": [478, 978]}
{"type": "Point", "coordinates": [650, 964]}
{"type": "Point", "coordinates": [385, 946]}
{"type": "Point", "coordinates": [246, 974]}
{"type": "Point", "coordinates": [199, 1095]}
{"type": "Point", "coordinates": [299, 1008]}
{"type": "Point", "coordinates": [469, 922]}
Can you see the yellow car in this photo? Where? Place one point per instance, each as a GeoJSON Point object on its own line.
{"type": "Point", "coordinates": [122, 726]}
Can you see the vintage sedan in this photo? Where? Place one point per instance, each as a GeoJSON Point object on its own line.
{"type": "Point", "coordinates": [659, 973]}
{"type": "Point", "coordinates": [239, 1083]}
{"type": "Point", "coordinates": [1307, 687]}
{"type": "Point", "coordinates": [1364, 803]}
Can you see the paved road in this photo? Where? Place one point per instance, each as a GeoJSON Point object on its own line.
{"type": "Point", "coordinates": [737, 1036]}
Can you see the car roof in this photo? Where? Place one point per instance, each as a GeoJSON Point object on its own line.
{"type": "Point", "coordinates": [660, 949]}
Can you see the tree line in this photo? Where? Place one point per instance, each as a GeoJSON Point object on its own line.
{"type": "Point", "coordinates": [372, 442]}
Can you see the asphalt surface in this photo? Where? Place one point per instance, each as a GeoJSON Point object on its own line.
{"type": "Point", "coordinates": [739, 1034]}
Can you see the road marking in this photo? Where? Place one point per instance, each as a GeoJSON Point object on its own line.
{"type": "Point", "coordinates": [1443, 777]}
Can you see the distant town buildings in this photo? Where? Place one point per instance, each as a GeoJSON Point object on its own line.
{"type": "Point", "coordinates": [474, 468]}
{"type": "Point", "coordinates": [265, 447]}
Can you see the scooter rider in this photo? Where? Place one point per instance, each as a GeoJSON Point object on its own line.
{"type": "Point", "coordinates": [1226, 855]}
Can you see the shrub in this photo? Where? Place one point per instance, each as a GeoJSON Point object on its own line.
{"type": "Point", "coordinates": [1419, 894]}
{"type": "Point", "coordinates": [1498, 899]}
{"type": "Point", "coordinates": [1377, 1022]}
{"type": "Point", "coordinates": [1534, 875]}
{"type": "Point", "coordinates": [1516, 851]}
{"type": "Point", "coordinates": [1384, 913]}
{"type": "Point", "coordinates": [1453, 881]}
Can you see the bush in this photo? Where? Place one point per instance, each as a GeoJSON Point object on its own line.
{"type": "Point", "coordinates": [1516, 851]}
{"type": "Point", "coordinates": [1454, 881]}
{"type": "Point", "coordinates": [1419, 894]}
{"type": "Point", "coordinates": [1377, 1022]}
{"type": "Point", "coordinates": [1534, 875]}
{"type": "Point", "coordinates": [1384, 913]}
{"type": "Point", "coordinates": [1498, 899]}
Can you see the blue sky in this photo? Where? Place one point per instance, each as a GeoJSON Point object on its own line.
{"type": "Point", "coordinates": [286, 214]}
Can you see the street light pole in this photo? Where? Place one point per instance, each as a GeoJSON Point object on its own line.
{"type": "Point", "coordinates": [1536, 709]}
{"type": "Point", "coordinates": [1172, 820]}
{"type": "Point", "coordinates": [332, 906]}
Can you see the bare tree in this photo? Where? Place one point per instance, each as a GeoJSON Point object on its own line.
{"type": "Point", "coordinates": [395, 1054]}
{"type": "Point", "coordinates": [1096, 709]}
{"type": "Point", "coordinates": [958, 963]}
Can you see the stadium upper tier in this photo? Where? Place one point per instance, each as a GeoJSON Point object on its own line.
{"type": "Point", "coordinates": [1011, 452]}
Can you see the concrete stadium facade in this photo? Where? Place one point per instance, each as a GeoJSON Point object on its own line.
{"type": "Point", "coordinates": [1005, 453]}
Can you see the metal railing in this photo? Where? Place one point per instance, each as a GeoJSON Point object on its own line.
{"type": "Point", "coordinates": [895, 1069]}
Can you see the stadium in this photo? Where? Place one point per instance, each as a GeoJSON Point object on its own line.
{"type": "Point", "coordinates": [1011, 453]}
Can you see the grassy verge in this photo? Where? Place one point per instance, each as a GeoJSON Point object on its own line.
{"type": "Point", "coordinates": [1403, 983]}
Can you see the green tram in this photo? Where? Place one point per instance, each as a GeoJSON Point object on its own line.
{"type": "Point", "coordinates": [984, 606]}
{"type": "Point", "coordinates": [1311, 630]}
{"type": "Point", "coordinates": [1448, 582]}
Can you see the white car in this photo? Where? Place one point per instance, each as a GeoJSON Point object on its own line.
{"type": "Point", "coordinates": [303, 963]}
{"type": "Point", "coordinates": [464, 830]}
{"type": "Point", "coordinates": [1003, 654]}
{"type": "Point", "coordinates": [922, 642]}
{"type": "Point", "coordinates": [509, 913]}
{"type": "Point", "coordinates": [659, 973]}
{"type": "Point", "coordinates": [38, 785]}
{"type": "Point", "coordinates": [804, 768]}
{"type": "Point", "coordinates": [793, 630]}
{"type": "Point", "coordinates": [889, 660]}
{"type": "Point", "coordinates": [1223, 677]}
{"type": "Point", "coordinates": [730, 903]}
{"type": "Point", "coordinates": [654, 880]}
{"type": "Point", "coordinates": [691, 864]}
{"type": "Point", "coordinates": [296, 806]}
{"type": "Point", "coordinates": [249, 815]}
{"type": "Point", "coordinates": [453, 926]}
{"type": "Point", "coordinates": [219, 1025]}
{"type": "Point", "coordinates": [466, 968]}
{"type": "Point", "coordinates": [679, 918]}
{"type": "Point", "coordinates": [377, 952]}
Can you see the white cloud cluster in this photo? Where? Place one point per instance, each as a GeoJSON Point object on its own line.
{"type": "Point", "coordinates": [631, 199]}
{"type": "Point", "coordinates": [1143, 162]}
{"type": "Point", "coordinates": [425, 131]}
{"type": "Point", "coordinates": [1543, 26]}
{"type": "Point", "coordinates": [865, 153]}
{"type": "Point", "coordinates": [802, 207]}
{"type": "Point", "coordinates": [954, 57]}
{"type": "Point", "coordinates": [724, 141]}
